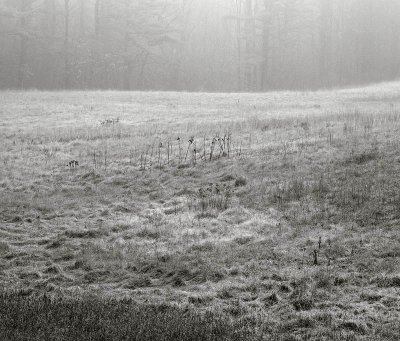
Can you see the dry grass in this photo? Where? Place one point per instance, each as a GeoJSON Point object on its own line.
{"type": "Point", "coordinates": [294, 220]}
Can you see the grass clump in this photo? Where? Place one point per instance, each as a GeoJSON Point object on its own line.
{"type": "Point", "coordinates": [303, 303]}
{"type": "Point", "coordinates": [95, 233]}
{"type": "Point", "coordinates": [4, 247]}
{"type": "Point", "coordinates": [240, 181]}
{"type": "Point", "coordinates": [216, 196]}
{"type": "Point", "coordinates": [363, 157]}
{"type": "Point", "coordinates": [388, 281]}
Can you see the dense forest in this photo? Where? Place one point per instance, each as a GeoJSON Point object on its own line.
{"type": "Point", "coordinates": [197, 45]}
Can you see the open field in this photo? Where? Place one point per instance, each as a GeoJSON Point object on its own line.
{"type": "Point", "coordinates": [262, 216]}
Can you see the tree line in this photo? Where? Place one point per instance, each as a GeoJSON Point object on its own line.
{"type": "Point", "coordinates": [197, 45]}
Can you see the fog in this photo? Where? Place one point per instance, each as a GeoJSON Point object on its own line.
{"type": "Point", "coordinates": [197, 45]}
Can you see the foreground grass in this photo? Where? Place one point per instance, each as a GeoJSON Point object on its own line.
{"type": "Point", "coordinates": [278, 212]}
{"type": "Point", "coordinates": [44, 317]}
{"type": "Point", "coordinates": [91, 318]}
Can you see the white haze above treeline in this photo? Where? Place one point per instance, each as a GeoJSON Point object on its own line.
{"type": "Point", "coordinates": [197, 45]}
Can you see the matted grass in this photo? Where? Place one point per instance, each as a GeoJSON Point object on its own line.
{"type": "Point", "coordinates": [278, 207]}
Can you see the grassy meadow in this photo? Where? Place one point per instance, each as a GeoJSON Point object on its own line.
{"type": "Point", "coordinates": [195, 216]}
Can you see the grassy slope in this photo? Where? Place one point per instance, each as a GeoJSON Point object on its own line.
{"type": "Point", "coordinates": [303, 167]}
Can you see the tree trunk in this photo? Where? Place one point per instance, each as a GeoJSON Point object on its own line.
{"type": "Point", "coordinates": [239, 43]}
{"type": "Point", "coordinates": [250, 32]}
{"type": "Point", "coordinates": [22, 46]}
{"type": "Point", "coordinates": [127, 57]}
{"type": "Point", "coordinates": [97, 18]}
{"type": "Point", "coordinates": [265, 47]}
{"type": "Point", "coordinates": [67, 69]}
{"type": "Point", "coordinates": [53, 18]}
{"type": "Point", "coordinates": [325, 41]}
{"type": "Point", "coordinates": [82, 21]}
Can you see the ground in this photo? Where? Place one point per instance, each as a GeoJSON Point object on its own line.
{"type": "Point", "coordinates": [282, 209]}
